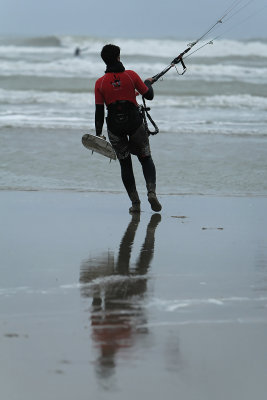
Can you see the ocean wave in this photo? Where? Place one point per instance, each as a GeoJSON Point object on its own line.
{"type": "Point", "coordinates": [235, 115]}
{"type": "Point", "coordinates": [176, 305]}
{"type": "Point", "coordinates": [44, 122]}
{"type": "Point", "coordinates": [83, 100]}
{"type": "Point", "coordinates": [18, 53]}
{"type": "Point", "coordinates": [39, 41]}
{"type": "Point", "coordinates": [86, 68]}
{"type": "Point", "coordinates": [22, 97]}
{"type": "Point", "coordinates": [217, 101]}
{"type": "Point", "coordinates": [226, 72]}
{"type": "Point", "coordinates": [58, 68]}
{"type": "Point", "coordinates": [176, 126]}
{"type": "Point", "coordinates": [160, 48]}
{"type": "Point", "coordinates": [170, 48]}
{"type": "Point", "coordinates": [215, 321]}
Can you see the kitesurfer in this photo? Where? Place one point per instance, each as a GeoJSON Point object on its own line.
{"type": "Point", "coordinates": [117, 89]}
{"type": "Point", "coordinates": [77, 52]}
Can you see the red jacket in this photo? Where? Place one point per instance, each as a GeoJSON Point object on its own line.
{"type": "Point", "coordinates": [114, 86]}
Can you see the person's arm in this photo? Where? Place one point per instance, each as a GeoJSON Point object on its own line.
{"type": "Point", "coordinates": [99, 109]}
{"type": "Point", "coordinates": [144, 88]}
{"type": "Point", "coordinates": [149, 95]}
{"type": "Point", "coordinates": [99, 118]}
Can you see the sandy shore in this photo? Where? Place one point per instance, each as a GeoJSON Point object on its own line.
{"type": "Point", "coordinates": [95, 304]}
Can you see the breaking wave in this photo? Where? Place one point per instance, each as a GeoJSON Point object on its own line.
{"type": "Point", "coordinates": [39, 41]}
{"type": "Point", "coordinates": [242, 101]}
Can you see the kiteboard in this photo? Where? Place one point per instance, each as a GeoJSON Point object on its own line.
{"type": "Point", "coordinates": [99, 145]}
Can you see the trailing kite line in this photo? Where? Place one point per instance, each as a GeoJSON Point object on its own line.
{"type": "Point", "coordinates": [235, 8]}
{"type": "Point", "coordinates": [230, 29]}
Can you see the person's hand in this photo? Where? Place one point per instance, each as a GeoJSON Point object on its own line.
{"type": "Point", "coordinates": [150, 79]}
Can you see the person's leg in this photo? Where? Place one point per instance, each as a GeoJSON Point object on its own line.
{"type": "Point", "coordinates": [120, 144]}
{"type": "Point", "coordinates": [139, 145]}
{"type": "Point", "coordinates": [128, 180]}
{"type": "Point", "coordinates": [149, 172]}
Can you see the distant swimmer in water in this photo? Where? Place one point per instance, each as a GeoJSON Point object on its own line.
{"type": "Point", "coordinates": [77, 51]}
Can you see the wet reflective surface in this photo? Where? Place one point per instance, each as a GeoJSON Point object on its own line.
{"type": "Point", "coordinates": [104, 305]}
{"type": "Point", "coordinates": [117, 288]}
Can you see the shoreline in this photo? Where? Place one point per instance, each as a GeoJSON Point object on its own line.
{"type": "Point", "coordinates": [142, 192]}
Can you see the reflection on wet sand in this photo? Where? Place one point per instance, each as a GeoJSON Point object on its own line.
{"type": "Point", "coordinates": [116, 289]}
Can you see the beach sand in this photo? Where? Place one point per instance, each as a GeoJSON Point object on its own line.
{"type": "Point", "coordinates": [96, 304]}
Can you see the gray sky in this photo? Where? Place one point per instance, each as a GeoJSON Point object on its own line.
{"type": "Point", "coordinates": [136, 18]}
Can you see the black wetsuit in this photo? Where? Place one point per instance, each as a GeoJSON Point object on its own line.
{"type": "Point", "coordinates": [117, 89]}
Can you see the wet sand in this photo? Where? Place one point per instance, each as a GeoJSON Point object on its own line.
{"type": "Point", "coordinates": [96, 304]}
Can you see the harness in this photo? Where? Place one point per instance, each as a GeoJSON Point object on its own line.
{"type": "Point", "coordinates": [143, 109]}
{"type": "Point", "coordinates": [120, 112]}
